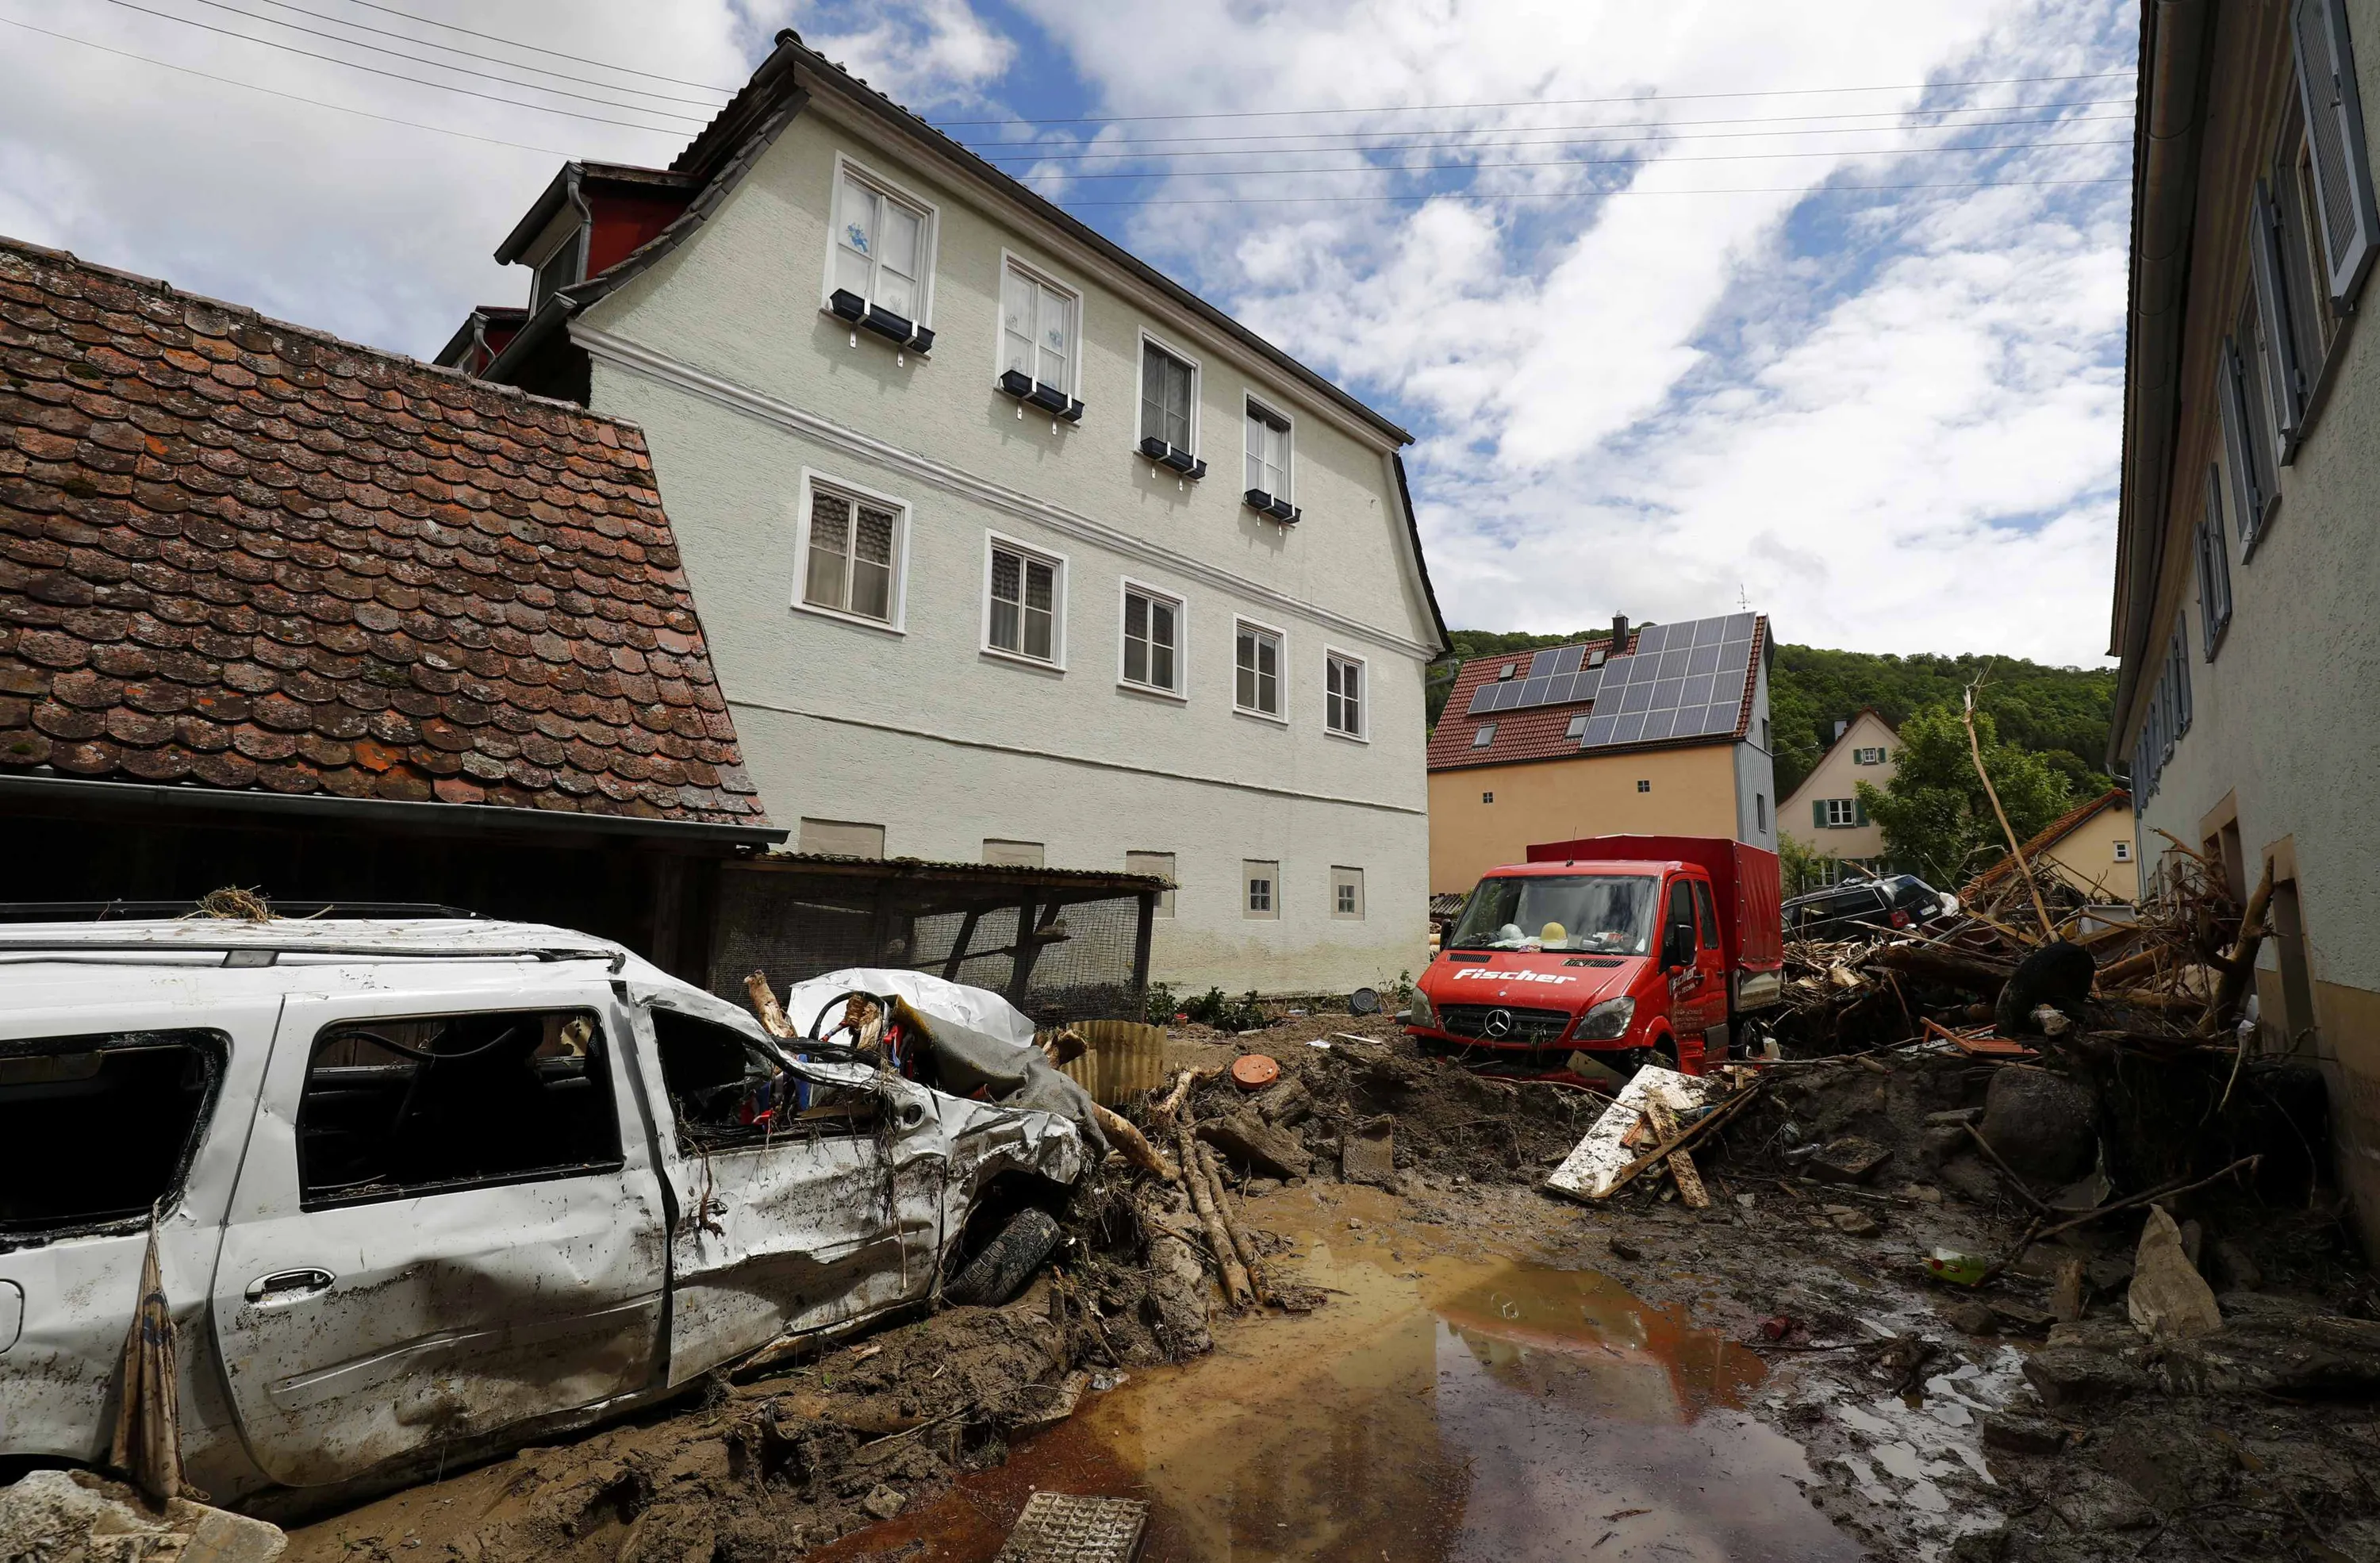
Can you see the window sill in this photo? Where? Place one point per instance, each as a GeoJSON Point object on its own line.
{"type": "Point", "coordinates": [1251, 712]}
{"type": "Point", "coordinates": [1328, 732]}
{"type": "Point", "coordinates": [1018, 659]}
{"type": "Point", "coordinates": [1155, 692]}
{"type": "Point", "coordinates": [882, 627]}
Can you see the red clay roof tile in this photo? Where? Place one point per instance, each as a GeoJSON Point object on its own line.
{"type": "Point", "coordinates": [238, 553]}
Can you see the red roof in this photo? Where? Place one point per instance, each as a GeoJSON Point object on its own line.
{"type": "Point", "coordinates": [238, 553]}
{"type": "Point", "coordinates": [1543, 732]}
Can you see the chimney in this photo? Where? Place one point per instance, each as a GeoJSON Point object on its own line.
{"type": "Point", "coordinates": [1619, 635]}
{"type": "Point", "coordinates": [1842, 727]}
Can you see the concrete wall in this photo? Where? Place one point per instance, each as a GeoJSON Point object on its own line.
{"type": "Point", "coordinates": [1693, 792]}
{"type": "Point", "coordinates": [744, 387]}
{"type": "Point", "coordinates": [1837, 776]}
{"type": "Point", "coordinates": [2284, 745]}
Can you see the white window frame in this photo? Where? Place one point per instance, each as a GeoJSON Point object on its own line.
{"type": "Point", "coordinates": [1850, 808]}
{"type": "Point", "coordinates": [1140, 387]}
{"type": "Point", "coordinates": [1179, 693]}
{"type": "Point", "coordinates": [1342, 874]}
{"type": "Point", "coordinates": [1280, 670]}
{"type": "Point", "coordinates": [1863, 755]}
{"type": "Point", "coordinates": [894, 190]}
{"type": "Point", "coordinates": [1483, 737]}
{"type": "Point", "coordinates": [1252, 402]}
{"type": "Point", "coordinates": [2123, 852]}
{"type": "Point", "coordinates": [1361, 734]}
{"type": "Point", "coordinates": [1270, 912]}
{"type": "Point", "coordinates": [994, 542]}
{"type": "Point", "coordinates": [1042, 276]}
{"type": "Point", "coordinates": [812, 480]}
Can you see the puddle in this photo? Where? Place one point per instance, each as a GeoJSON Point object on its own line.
{"type": "Point", "coordinates": [1435, 1408]}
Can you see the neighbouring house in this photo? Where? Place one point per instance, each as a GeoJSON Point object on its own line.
{"type": "Point", "coordinates": [983, 575]}
{"type": "Point", "coordinates": [1669, 737]}
{"type": "Point", "coordinates": [2245, 586]}
{"type": "Point", "coordinates": [1825, 813]}
{"type": "Point", "coordinates": [283, 613]}
{"type": "Point", "coordinates": [2091, 848]}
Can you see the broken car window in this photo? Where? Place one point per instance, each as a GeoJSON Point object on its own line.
{"type": "Point", "coordinates": [1606, 914]}
{"type": "Point", "coordinates": [98, 1129]}
{"type": "Point", "coordinates": [415, 1106]}
{"type": "Point", "coordinates": [721, 1093]}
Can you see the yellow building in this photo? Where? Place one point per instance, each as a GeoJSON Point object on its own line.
{"type": "Point", "coordinates": [2092, 846]}
{"type": "Point", "coordinates": [1671, 738]}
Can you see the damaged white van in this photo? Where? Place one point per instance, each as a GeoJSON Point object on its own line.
{"type": "Point", "coordinates": [426, 1188]}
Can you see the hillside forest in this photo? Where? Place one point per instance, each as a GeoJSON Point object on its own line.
{"type": "Point", "coordinates": [2060, 715]}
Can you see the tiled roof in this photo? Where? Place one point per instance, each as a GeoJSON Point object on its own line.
{"type": "Point", "coordinates": [1543, 732]}
{"type": "Point", "coordinates": [2046, 837]}
{"type": "Point", "coordinates": [237, 553]}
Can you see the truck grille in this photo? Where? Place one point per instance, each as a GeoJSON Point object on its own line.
{"type": "Point", "coordinates": [1529, 1028]}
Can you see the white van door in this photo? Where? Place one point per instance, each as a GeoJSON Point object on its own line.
{"type": "Point", "coordinates": [787, 1222]}
{"type": "Point", "coordinates": [125, 1095]}
{"type": "Point", "coordinates": [448, 1222]}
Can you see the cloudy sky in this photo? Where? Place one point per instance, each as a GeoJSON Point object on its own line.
{"type": "Point", "coordinates": [1819, 306]}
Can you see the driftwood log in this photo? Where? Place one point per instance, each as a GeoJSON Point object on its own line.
{"type": "Point", "coordinates": [1240, 1243]}
{"type": "Point", "coordinates": [1237, 1289]}
{"type": "Point", "coordinates": [1933, 964]}
{"type": "Point", "coordinates": [1127, 1137]}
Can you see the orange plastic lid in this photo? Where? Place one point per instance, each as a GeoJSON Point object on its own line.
{"type": "Point", "coordinates": [1254, 1072]}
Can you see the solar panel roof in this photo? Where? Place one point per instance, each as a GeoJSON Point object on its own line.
{"type": "Point", "coordinates": [1683, 680]}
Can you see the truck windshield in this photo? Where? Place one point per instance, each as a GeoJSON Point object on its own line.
{"type": "Point", "coordinates": [1605, 913]}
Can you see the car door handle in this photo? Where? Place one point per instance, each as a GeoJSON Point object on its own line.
{"type": "Point", "coordinates": [289, 1286]}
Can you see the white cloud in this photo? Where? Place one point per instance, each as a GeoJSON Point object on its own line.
{"type": "Point", "coordinates": [924, 54]}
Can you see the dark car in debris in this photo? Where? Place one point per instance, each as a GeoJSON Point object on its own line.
{"type": "Point", "coordinates": [1898, 901]}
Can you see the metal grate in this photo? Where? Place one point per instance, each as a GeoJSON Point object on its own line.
{"type": "Point", "coordinates": [1064, 1527]}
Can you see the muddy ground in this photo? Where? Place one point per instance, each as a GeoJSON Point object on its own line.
{"type": "Point", "coordinates": [1775, 1377]}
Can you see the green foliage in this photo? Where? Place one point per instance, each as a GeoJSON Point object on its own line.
{"type": "Point", "coordinates": [1211, 1008]}
{"type": "Point", "coordinates": [2061, 714]}
{"type": "Point", "coordinates": [1799, 866]}
{"type": "Point", "coordinates": [1936, 821]}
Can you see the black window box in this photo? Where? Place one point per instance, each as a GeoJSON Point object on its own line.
{"type": "Point", "coordinates": [887, 324]}
{"type": "Point", "coordinates": [1174, 457]}
{"type": "Point", "coordinates": [1016, 384]}
{"type": "Point", "coordinates": [847, 305]}
{"type": "Point", "coordinates": [1049, 398]}
{"type": "Point", "coordinates": [1280, 510]}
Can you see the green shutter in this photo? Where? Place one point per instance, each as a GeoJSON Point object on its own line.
{"type": "Point", "coordinates": [1819, 813]}
{"type": "Point", "coordinates": [1859, 810]}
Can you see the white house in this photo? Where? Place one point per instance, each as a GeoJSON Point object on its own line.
{"type": "Point", "coordinates": [1825, 814]}
{"type": "Point", "coordinates": [1008, 547]}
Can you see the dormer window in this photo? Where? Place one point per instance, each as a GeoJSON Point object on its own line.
{"type": "Point", "coordinates": [562, 266]}
{"type": "Point", "coordinates": [881, 273]}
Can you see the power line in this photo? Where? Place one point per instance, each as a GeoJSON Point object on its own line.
{"type": "Point", "coordinates": [419, 81]}
{"type": "Point", "coordinates": [1654, 140]}
{"type": "Point", "coordinates": [417, 59]}
{"type": "Point", "coordinates": [1612, 125]}
{"type": "Point", "coordinates": [1547, 102]}
{"type": "Point", "coordinates": [449, 48]}
{"type": "Point", "coordinates": [1581, 195]}
{"type": "Point", "coordinates": [276, 93]}
{"type": "Point", "coordinates": [1582, 162]}
{"type": "Point", "coordinates": [539, 49]}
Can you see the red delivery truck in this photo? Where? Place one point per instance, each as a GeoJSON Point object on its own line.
{"type": "Point", "coordinates": [1629, 949]}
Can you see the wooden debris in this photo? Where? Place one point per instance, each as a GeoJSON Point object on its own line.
{"type": "Point", "coordinates": [1127, 1137]}
{"type": "Point", "coordinates": [1238, 1289]}
{"type": "Point", "coordinates": [1681, 1165]}
{"type": "Point", "coordinates": [1242, 1244]}
{"type": "Point", "coordinates": [1251, 1142]}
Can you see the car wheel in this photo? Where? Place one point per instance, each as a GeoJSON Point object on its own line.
{"type": "Point", "coordinates": [1000, 1271]}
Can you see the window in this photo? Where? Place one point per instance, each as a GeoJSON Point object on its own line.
{"type": "Point", "coordinates": [1169, 399]}
{"type": "Point", "coordinates": [97, 1128]}
{"type": "Point", "coordinates": [1347, 894]}
{"type": "Point", "coordinates": [1836, 814]}
{"type": "Point", "coordinates": [1644, 785]}
{"type": "Point", "coordinates": [852, 553]}
{"type": "Point", "coordinates": [1255, 684]}
{"type": "Point", "coordinates": [1023, 603]}
{"type": "Point", "coordinates": [1577, 728]}
{"type": "Point", "coordinates": [2214, 568]}
{"type": "Point", "coordinates": [1681, 917]}
{"type": "Point", "coordinates": [884, 246]}
{"type": "Point", "coordinates": [1259, 885]}
{"type": "Point", "coordinates": [1760, 812]}
{"type": "Point", "coordinates": [394, 1108]}
{"type": "Point", "coordinates": [1012, 854]}
{"type": "Point", "coordinates": [1506, 671]}
{"type": "Point", "coordinates": [1343, 695]}
{"type": "Point", "coordinates": [2123, 852]}
{"type": "Point", "coordinates": [1158, 865]}
{"type": "Point", "coordinates": [2274, 337]}
{"type": "Point", "coordinates": [1152, 640]}
{"type": "Point", "coordinates": [2342, 170]}
{"type": "Point", "coordinates": [2247, 441]}
{"type": "Point", "coordinates": [1038, 329]}
{"type": "Point", "coordinates": [1483, 736]}
{"type": "Point", "coordinates": [840, 838]}
{"type": "Point", "coordinates": [1268, 452]}
{"type": "Point", "coordinates": [723, 1092]}
{"type": "Point", "coordinates": [1707, 914]}
{"type": "Point", "coordinates": [1867, 757]}
{"type": "Point", "coordinates": [564, 266]}
{"type": "Point", "coordinates": [1487, 797]}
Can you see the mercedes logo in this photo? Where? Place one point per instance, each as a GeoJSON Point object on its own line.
{"type": "Point", "coordinates": [1499, 1023]}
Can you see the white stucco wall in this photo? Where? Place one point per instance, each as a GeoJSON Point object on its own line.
{"type": "Point", "coordinates": [741, 386]}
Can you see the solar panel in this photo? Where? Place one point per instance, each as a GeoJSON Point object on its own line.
{"type": "Point", "coordinates": [1683, 680]}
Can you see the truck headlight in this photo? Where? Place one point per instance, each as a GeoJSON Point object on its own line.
{"type": "Point", "coordinates": [1421, 1013]}
{"type": "Point", "coordinates": [1605, 1021]}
